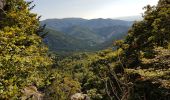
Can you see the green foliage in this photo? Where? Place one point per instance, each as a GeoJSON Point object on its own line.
{"type": "Point", "coordinates": [61, 87]}
{"type": "Point", "coordinates": [91, 70]}
{"type": "Point", "coordinates": [145, 54]}
{"type": "Point", "coordinates": [138, 69]}
{"type": "Point", "coordinates": [23, 57]}
{"type": "Point", "coordinates": [148, 33]}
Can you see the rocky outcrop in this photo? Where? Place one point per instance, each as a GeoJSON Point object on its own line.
{"type": "Point", "coordinates": [80, 96]}
{"type": "Point", "coordinates": [2, 3]}
{"type": "Point", "coordinates": [32, 93]}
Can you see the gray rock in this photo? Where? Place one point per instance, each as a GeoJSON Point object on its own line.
{"type": "Point", "coordinates": [80, 96]}
{"type": "Point", "coordinates": [2, 3]}
{"type": "Point", "coordinates": [31, 93]}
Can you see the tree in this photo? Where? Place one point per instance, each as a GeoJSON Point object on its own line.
{"type": "Point", "coordinates": [23, 57]}
{"type": "Point", "coordinates": [151, 32]}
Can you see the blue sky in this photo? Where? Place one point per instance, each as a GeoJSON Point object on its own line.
{"type": "Point", "coordinates": [90, 8]}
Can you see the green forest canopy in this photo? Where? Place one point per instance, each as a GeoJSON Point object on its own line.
{"type": "Point", "coordinates": [138, 69]}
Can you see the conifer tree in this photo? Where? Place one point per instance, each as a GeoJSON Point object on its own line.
{"type": "Point", "coordinates": [23, 57]}
{"type": "Point", "coordinates": [152, 31]}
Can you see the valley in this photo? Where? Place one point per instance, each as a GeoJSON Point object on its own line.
{"type": "Point", "coordinates": [84, 59]}
{"type": "Point", "coordinates": [77, 34]}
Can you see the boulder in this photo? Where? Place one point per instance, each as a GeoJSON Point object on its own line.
{"type": "Point", "coordinates": [80, 96]}
{"type": "Point", "coordinates": [32, 93]}
{"type": "Point", "coordinates": [2, 3]}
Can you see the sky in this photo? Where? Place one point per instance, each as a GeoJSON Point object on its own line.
{"type": "Point", "coordinates": [90, 9]}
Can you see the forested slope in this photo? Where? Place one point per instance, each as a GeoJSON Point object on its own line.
{"type": "Point", "coordinates": [139, 69]}
{"type": "Point", "coordinates": [89, 35]}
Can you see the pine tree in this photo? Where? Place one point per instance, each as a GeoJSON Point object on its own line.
{"type": "Point", "coordinates": [151, 32]}
{"type": "Point", "coordinates": [23, 57]}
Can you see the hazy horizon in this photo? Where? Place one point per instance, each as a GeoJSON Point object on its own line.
{"type": "Point", "coordinates": [124, 18]}
{"type": "Point", "coordinates": [90, 9]}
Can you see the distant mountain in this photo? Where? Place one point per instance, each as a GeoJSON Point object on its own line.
{"type": "Point", "coordinates": [61, 24]}
{"type": "Point", "coordinates": [77, 34]}
{"type": "Point", "coordinates": [130, 18]}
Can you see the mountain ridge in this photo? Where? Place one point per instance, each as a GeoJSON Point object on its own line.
{"type": "Point", "coordinates": [90, 33]}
